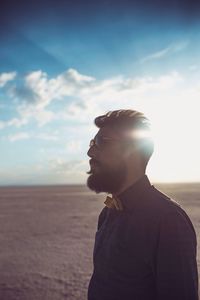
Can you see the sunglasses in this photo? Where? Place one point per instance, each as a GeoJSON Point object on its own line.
{"type": "Point", "coordinates": [99, 141]}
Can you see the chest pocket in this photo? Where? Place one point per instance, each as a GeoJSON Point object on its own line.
{"type": "Point", "coordinates": [118, 250]}
{"type": "Point", "coordinates": [124, 251]}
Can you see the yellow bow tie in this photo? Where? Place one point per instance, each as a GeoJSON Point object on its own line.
{"type": "Point", "coordinates": [113, 202]}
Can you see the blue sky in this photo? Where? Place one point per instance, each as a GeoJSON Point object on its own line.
{"type": "Point", "coordinates": [64, 63]}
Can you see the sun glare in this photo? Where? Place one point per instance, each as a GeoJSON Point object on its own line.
{"type": "Point", "coordinates": [177, 146]}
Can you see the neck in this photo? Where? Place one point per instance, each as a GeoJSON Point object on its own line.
{"type": "Point", "coordinates": [128, 182]}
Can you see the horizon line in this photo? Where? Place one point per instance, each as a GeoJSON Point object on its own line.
{"type": "Point", "coordinates": [84, 184]}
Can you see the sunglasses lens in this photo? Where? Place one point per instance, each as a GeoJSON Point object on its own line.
{"type": "Point", "coordinates": [99, 141]}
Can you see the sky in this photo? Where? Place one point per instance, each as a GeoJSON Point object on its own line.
{"type": "Point", "coordinates": [64, 63]}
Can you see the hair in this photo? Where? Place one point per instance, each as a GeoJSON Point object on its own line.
{"type": "Point", "coordinates": [131, 120]}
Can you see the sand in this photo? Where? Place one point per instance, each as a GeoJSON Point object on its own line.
{"type": "Point", "coordinates": [47, 237]}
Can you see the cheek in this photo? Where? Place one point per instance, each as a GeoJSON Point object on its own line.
{"type": "Point", "coordinates": [111, 157]}
{"type": "Point", "coordinates": [112, 162]}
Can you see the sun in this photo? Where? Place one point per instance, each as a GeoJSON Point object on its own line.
{"type": "Point", "coordinates": [177, 144]}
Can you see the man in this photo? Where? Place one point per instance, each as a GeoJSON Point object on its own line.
{"type": "Point", "coordinates": [145, 243]}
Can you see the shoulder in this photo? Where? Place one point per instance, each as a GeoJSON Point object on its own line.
{"type": "Point", "coordinates": [165, 208]}
{"type": "Point", "coordinates": [162, 203]}
{"type": "Point", "coordinates": [165, 198]}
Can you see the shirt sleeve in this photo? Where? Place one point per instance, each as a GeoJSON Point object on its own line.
{"type": "Point", "coordinates": [176, 264]}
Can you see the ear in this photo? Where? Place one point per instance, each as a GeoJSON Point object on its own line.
{"type": "Point", "coordinates": [129, 151]}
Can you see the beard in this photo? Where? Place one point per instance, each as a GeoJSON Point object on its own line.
{"type": "Point", "coordinates": [106, 179]}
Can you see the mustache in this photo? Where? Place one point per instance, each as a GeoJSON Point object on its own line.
{"type": "Point", "coordinates": [91, 162]}
{"type": "Point", "coordinates": [89, 172]}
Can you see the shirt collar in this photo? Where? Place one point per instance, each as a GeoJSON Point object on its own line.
{"type": "Point", "coordinates": [135, 192]}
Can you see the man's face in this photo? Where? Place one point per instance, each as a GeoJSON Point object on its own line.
{"type": "Point", "coordinates": [107, 164]}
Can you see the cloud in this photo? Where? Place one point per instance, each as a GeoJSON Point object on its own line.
{"type": "Point", "coordinates": [75, 76]}
{"type": "Point", "coordinates": [156, 55]}
{"type": "Point", "coordinates": [16, 122]}
{"type": "Point", "coordinates": [61, 165]}
{"type": "Point", "coordinates": [177, 47]}
{"type": "Point", "coordinates": [119, 92]}
{"type": "Point", "coordinates": [193, 67]}
{"type": "Point", "coordinates": [81, 96]}
{"type": "Point", "coordinates": [51, 173]}
{"type": "Point", "coordinates": [18, 136]}
{"type": "Point", "coordinates": [46, 136]}
{"type": "Point", "coordinates": [40, 115]}
{"type": "Point", "coordinates": [38, 92]}
{"type": "Point", "coordinates": [45, 90]}
{"type": "Point", "coordinates": [2, 124]}
{"type": "Point", "coordinates": [68, 170]}
{"type": "Point", "coordinates": [6, 77]}
{"type": "Point", "coordinates": [73, 146]}
{"type": "Point", "coordinates": [27, 135]}
{"type": "Point", "coordinates": [168, 100]}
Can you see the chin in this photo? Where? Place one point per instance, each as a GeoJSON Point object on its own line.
{"type": "Point", "coordinates": [93, 183]}
{"type": "Point", "coordinates": [102, 183]}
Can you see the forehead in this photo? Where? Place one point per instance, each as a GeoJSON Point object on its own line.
{"type": "Point", "coordinates": [108, 131]}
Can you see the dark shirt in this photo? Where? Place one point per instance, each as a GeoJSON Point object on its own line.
{"type": "Point", "coordinates": [147, 251]}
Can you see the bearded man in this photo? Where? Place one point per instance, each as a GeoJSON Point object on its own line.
{"type": "Point", "coordinates": [145, 243]}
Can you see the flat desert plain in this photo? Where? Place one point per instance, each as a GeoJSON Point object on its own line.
{"type": "Point", "coordinates": [47, 237]}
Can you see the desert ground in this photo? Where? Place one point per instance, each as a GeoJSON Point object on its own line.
{"type": "Point", "coordinates": [47, 237]}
